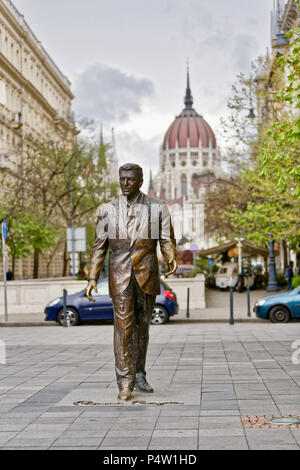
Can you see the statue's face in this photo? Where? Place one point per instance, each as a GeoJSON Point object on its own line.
{"type": "Point", "coordinates": [130, 183]}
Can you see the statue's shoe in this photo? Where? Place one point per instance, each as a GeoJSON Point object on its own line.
{"type": "Point", "coordinates": [142, 386]}
{"type": "Point", "coordinates": [124, 394]}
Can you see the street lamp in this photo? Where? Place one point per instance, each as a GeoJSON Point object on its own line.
{"type": "Point", "coordinates": [251, 114]}
{"type": "Point", "coordinates": [240, 245]}
{"type": "Point", "coordinates": [272, 281]}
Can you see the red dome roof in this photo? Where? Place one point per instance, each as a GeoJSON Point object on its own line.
{"type": "Point", "coordinates": [189, 125]}
{"type": "Point", "coordinates": [192, 126]}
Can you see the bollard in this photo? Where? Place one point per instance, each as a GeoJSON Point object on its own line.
{"type": "Point", "coordinates": [231, 319]}
{"type": "Point", "coordinates": [188, 303]}
{"type": "Point", "coordinates": [248, 301]}
{"type": "Point", "coordinates": [65, 307]}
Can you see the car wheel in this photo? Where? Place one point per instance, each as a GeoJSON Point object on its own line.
{"type": "Point", "coordinates": [159, 315]}
{"type": "Point", "coordinates": [279, 314]}
{"type": "Point", "coordinates": [72, 314]}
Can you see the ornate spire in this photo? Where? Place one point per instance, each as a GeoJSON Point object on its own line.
{"type": "Point", "coordinates": [188, 100]}
{"type": "Point", "coordinates": [151, 190]}
{"type": "Point", "coordinates": [151, 181]}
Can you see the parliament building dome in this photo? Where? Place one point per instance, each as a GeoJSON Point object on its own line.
{"type": "Point", "coordinates": [189, 167]}
{"type": "Point", "coordinates": [189, 128]}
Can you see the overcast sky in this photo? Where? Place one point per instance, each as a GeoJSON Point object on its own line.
{"type": "Point", "coordinates": [127, 60]}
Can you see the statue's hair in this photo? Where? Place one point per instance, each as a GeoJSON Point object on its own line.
{"type": "Point", "coordinates": [132, 167]}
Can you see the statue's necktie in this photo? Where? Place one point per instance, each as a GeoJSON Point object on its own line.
{"type": "Point", "coordinates": [130, 221]}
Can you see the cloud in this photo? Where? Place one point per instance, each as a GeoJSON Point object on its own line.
{"type": "Point", "coordinates": [133, 148]}
{"type": "Point", "coordinates": [244, 50]}
{"type": "Point", "coordinates": [110, 95]}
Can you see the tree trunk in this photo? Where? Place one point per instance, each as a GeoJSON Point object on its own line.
{"type": "Point", "coordinates": [65, 266]}
{"type": "Point", "coordinates": [35, 264]}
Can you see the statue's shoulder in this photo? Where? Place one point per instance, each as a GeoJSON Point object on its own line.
{"type": "Point", "coordinates": [107, 207]}
{"type": "Point", "coordinates": [153, 200]}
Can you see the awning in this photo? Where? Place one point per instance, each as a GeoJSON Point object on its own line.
{"type": "Point", "coordinates": [247, 248]}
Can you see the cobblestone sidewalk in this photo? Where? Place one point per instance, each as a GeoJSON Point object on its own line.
{"type": "Point", "coordinates": [206, 377]}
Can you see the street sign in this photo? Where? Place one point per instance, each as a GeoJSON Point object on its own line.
{"type": "Point", "coordinates": [194, 247]}
{"type": "Point", "coordinates": [210, 262]}
{"type": "Point", "coordinates": [4, 229]}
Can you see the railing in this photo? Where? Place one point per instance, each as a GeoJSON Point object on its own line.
{"type": "Point", "coordinates": [20, 19]}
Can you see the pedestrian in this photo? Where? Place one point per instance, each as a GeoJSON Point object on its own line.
{"type": "Point", "coordinates": [289, 274]}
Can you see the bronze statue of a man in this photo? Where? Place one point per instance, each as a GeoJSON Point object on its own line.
{"type": "Point", "coordinates": [130, 227]}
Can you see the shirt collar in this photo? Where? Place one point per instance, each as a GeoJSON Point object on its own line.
{"type": "Point", "coordinates": [135, 200]}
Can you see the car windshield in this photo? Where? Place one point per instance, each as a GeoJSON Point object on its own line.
{"type": "Point", "coordinates": [295, 291]}
{"type": "Point", "coordinates": [223, 271]}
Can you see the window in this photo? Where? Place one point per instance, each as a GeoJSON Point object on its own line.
{"type": "Point", "coordinates": [2, 92]}
{"type": "Point", "coordinates": [183, 186]}
{"type": "Point", "coordinates": [223, 271]}
{"type": "Point", "coordinates": [205, 159]}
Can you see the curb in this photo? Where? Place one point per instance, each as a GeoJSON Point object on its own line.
{"type": "Point", "coordinates": [179, 321]}
{"type": "Point", "coordinates": [8, 323]}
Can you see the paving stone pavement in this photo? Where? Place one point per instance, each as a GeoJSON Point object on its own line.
{"type": "Point", "coordinates": [205, 376]}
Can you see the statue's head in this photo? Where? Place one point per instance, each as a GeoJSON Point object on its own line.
{"type": "Point", "coordinates": [131, 179]}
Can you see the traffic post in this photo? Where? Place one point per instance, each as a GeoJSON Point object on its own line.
{"type": "Point", "coordinates": [65, 293]}
{"type": "Point", "coordinates": [231, 317]}
{"type": "Point", "coordinates": [188, 303]}
{"type": "Point", "coordinates": [248, 302]}
{"type": "Point", "coordinates": [4, 237]}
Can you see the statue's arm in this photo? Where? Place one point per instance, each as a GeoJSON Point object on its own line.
{"type": "Point", "coordinates": [167, 239]}
{"type": "Point", "coordinates": [98, 253]}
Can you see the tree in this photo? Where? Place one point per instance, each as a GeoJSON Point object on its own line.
{"type": "Point", "coordinates": [263, 198]}
{"type": "Point", "coordinates": [281, 150]}
{"type": "Point", "coordinates": [40, 213]}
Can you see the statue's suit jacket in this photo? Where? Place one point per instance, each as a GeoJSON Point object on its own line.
{"type": "Point", "coordinates": [139, 253]}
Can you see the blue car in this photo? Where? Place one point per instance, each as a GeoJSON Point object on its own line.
{"type": "Point", "coordinates": [279, 308]}
{"type": "Point", "coordinates": [80, 309]}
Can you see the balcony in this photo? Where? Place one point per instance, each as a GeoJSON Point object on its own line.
{"type": "Point", "coordinates": [16, 120]}
{"type": "Point", "coordinates": [5, 163]}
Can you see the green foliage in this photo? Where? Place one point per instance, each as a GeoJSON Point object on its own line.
{"type": "Point", "coordinates": [281, 150]}
{"type": "Point", "coordinates": [202, 267]}
{"type": "Point", "coordinates": [296, 281]}
{"type": "Point", "coordinates": [281, 280]}
{"type": "Point", "coordinates": [194, 272]}
{"type": "Point", "coordinates": [36, 201]}
{"type": "Point", "coordinates": [264, 200]}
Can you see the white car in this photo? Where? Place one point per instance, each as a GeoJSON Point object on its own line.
{"type": "Point", "coordinates": [227, 275]}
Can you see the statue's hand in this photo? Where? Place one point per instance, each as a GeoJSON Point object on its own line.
{"type": "Point", "coordinates": [172, 267]}
{"type": "Point", "coordinates": [91, 285]}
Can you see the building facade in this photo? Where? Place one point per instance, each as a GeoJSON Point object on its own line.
{"type": "Point", "coordinates": [35, 106]}
{"type": "Point", "coordinates": [189, 166]}
{"type": "Point", "coordinates": [35, 97]}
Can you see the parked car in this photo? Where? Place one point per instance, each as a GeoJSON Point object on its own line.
{"type": "Point", "coordinates": [279, 308]}
{"type": "Point", "coordinates": [227, 275]}
{"type": "Point", "coordinates": [80, 309]}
